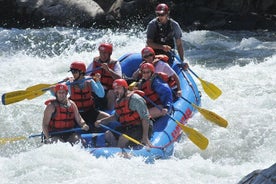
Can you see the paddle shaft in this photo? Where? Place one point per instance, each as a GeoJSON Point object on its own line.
{"type": "Point", "coordinates": [57, 133]}
{"type": "Point", "coordinates": [12, 139]}
{"type": "Point", "coordinates": [121, 134]}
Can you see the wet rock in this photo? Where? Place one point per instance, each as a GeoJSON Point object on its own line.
{"type": "Point", "coordinates": [191, 14]}
{"type": "Point", "coordinates": [266, 176]}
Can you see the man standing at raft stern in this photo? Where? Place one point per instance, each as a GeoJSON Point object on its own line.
{"type": "Point", "coordinates": [61, 114]}
{"type": "Point", "coordinates": [132, 113]}
{"type": "Point", "coordinates": [163, 33]}
{"type": "Point", "coordinates": [110, 70]}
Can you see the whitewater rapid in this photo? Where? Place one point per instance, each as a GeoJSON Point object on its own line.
{"type": "Point", "coordinates": [241, 64]}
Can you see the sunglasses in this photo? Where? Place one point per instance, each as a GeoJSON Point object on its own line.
{"type": "Point", "coordinates": [74, 71]}
{"type": "Point", "coordinates": [147, 56]}
{"type": "Point", "coordinates": [146, 72]}
{"type": "Point", "coordinates": [161, 14]}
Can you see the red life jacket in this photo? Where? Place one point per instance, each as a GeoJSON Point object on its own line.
{"type": "Point", "coordinates": [151, 94]}
{"type": "Point", "coordinates": [126, 115]}
{"type": "Point", "coordinates": [169, 80]}
{"type": "Point", "coordinates": [82, 97]}
{"type": "Point", "coordinates": [63, 117]}
{"type": "Point", "coordinates": [106, 78]}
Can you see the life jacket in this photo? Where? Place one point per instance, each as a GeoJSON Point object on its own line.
{"type": "Point", "coordinates": [82, 97]}
{"type": "Point", "coordinates": [169, 80]}
{"type": "Point", "coordinates": [127, 116]}
{"type": "Point", "coordinates": [163, 35]}
{"type": "Point", "coordinates": [149, 92]}
{"type": "Point", "coordinates": [63, 117]}
{"type": "Point", "coordinates": [106, 78]}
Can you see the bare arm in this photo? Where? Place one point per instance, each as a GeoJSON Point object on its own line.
{"type": "Point", "coordinates": [135, 74]}
{"type": "Point", "coordinates": [180, 49]}
{"type": "Point", "coordinates": [176, 78]}
{"type": "Point", "coordinates": [145, 136]}
{"type": "Point", "coordinates": [78, 117]}
{"type": "Point", "coordinates": [138, 104]}
{"type": "Point", "coordinates": [114, 74]}
{"type": "Point", "coordinates": [46, 119]}
{"type": "Point", "coordinates": [105, 120]}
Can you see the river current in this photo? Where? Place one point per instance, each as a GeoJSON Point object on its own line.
{"type": "Point", "coordinates": [241, 63]}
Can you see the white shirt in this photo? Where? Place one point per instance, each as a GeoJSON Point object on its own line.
{"type": "Point", "coordinates": [165, 68]}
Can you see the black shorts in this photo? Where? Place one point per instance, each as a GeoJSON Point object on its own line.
{"type": "Point", "coordinates": [90, 117]}
{"type": "Point", "coordinates": [135, 132]}
{"type": "Point", "coordinates": [64, 136]}
{"type": "Point", "coordinates": [101, 103]}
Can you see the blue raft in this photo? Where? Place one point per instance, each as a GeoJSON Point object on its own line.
{"type": "Point", "coordinates": [165, 130]}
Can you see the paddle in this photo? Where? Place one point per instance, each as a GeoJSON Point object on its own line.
{"type": "Point", "coordinates": [32, 91]}
{"type": "Point", "coordinates": [12, 139]}
{"type": "Point", "coordinates": [121, 134]}
{"type": "Point", "coordinates": [209, 115]}
{"type": "Point", "coordinates": [197, 138]}
{"type": "Point", "coordinates": [210, 89]}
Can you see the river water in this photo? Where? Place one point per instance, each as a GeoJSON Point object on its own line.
{"type": "Point", "coordinates": [242, 64]}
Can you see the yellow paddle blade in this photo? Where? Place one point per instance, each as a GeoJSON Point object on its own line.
{"type": "Point", "coordinates": [197, 138]}
{"type": "Point", "coordinates": [39, 87]}
{"type": "Point", "coordinates": [132, 85]}
{"type": "Point", "coordinates": [37, 90]}
{"type": "Point", "coordinates": [12, 97]}
{"type": "Point", "coordinates": [14, 93]}
{"type": "Point", "coordinates": [29, 93]}
{"type": "Point", "coordinates": [11, 139]}
{"type": "Point", "coordinates": [211, 116]}
{"type": "Point", "coordinates": [34, 94]}
{"type": "Point", "coordinates": [210, 89]}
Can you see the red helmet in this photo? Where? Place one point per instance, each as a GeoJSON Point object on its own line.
{"type": "Point", "coordinates": [147, 51]}
{"type": "Point", "coordinates": [120, 82]}
{"type": "Point", "coordinates": [61, 87]}
{"type": "Point", "coordinates": [148, 66]}
{"type": "Point", "coordinates": [106, 47]}
{"type": "Point", "coordinates": [162, 9]}
{"type": "Point", "coordinates": [78, 65]}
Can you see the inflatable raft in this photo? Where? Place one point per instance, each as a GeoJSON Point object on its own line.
{"type": "Point", "coordinates": [166, 130]}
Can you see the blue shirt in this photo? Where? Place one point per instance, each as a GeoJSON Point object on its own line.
{"type": "Point", "coordinates": [97, 87]}
{"type": "Point", "coordinates": [164, 92]}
